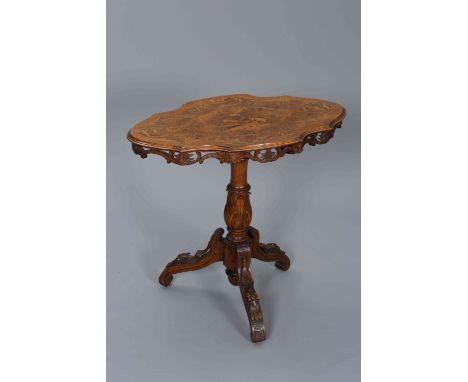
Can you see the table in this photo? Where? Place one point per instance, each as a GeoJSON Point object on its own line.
{"type": "Point", "coordinates": [235, 129]}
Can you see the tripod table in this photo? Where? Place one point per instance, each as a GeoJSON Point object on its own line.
{"type": "Point", "coordinates": [235, 129]}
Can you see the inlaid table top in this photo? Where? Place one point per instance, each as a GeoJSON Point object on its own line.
{"type": "Point", "coordinates": [235, 127]}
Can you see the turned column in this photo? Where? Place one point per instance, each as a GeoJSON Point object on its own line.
{"type": "Point", "coordinates": [238, 211]}
{"type": "Point", "coordinates": [237, 215]}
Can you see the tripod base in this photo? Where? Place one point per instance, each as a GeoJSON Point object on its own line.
{"type": "Point", "coordinates": [236, 256]}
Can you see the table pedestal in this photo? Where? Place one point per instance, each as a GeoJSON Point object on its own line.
{"type": "Point", "coordinates": [235, 250]}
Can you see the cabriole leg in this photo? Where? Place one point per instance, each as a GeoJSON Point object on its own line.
{"type": "Point", "coordinates": [268, 252]}
{"type": "Point", "coordinates": [186, 263]}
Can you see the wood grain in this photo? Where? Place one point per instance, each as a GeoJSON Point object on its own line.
{"type": "Point", "coordinates": [236, 123]}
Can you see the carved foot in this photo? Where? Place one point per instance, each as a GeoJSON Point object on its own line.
{"type": "Point", "coordinates": [185, 262]}
{"type": "Point", "coordinates": [271, 252]}
{"type": "Point", "coordinates": [232, 277]}
{"type": "Point", "coordinates": [268, 252]}
{"type": "Point", "coordinates": [249, 295]}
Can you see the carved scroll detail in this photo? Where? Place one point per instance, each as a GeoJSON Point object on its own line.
{"type": "Point", "coordinates": [261, 155]}
{"type": "Point", "coordinates": [177, 157]}
{"type": "Point", "coordinates": [249, 295]}
{"type": "Point", "coordinates": [185, 262]}
{"type": "Point", "coordinates": [268, 252]}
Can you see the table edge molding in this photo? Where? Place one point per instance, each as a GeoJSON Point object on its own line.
{"type": "Point", "coordinates": [262, 155]}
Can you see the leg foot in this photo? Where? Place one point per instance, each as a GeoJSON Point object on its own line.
{"type": "Point", "coordinates": [165, 280]}
{"type": "Point", "coordinates": [185, 262]}
{"type": "Point", "coordinates": [232, 277]}
{"type": "Point", "coordinates": [268, 252]}
{"type": "Point", "coordinates": [282, 265]}
{"type": "Point", "coordinates": [249, 295]}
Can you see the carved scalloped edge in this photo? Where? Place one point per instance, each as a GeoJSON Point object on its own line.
{"type": "Point", "coordinates": [261, 155]}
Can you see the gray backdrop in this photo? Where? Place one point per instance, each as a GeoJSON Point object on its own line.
{"type": "Point", "coordinates": [161, 54]}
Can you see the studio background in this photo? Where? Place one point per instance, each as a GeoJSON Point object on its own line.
{"type": "Point", "coordinates": [161, 54]}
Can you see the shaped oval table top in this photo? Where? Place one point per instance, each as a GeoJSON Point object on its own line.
{"type": "Point", "coordinates": [236, 127]}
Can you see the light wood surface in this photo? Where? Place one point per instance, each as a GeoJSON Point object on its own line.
{"type": "Point", "coordinates": [238, 122]}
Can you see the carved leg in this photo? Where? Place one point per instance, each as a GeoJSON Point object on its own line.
{"type": "Point", "coordinates": [249, 295]}
{"type": "Point", "coordinates": [185, 262]}
{"type": "Point", "coordinates": [268, 252]}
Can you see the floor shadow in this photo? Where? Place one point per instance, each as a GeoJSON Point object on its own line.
{"type": "Point", "coordinates": [221, 301]}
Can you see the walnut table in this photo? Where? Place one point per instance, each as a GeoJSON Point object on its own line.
{"type": "Point", "coordinates": [234, 129]}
